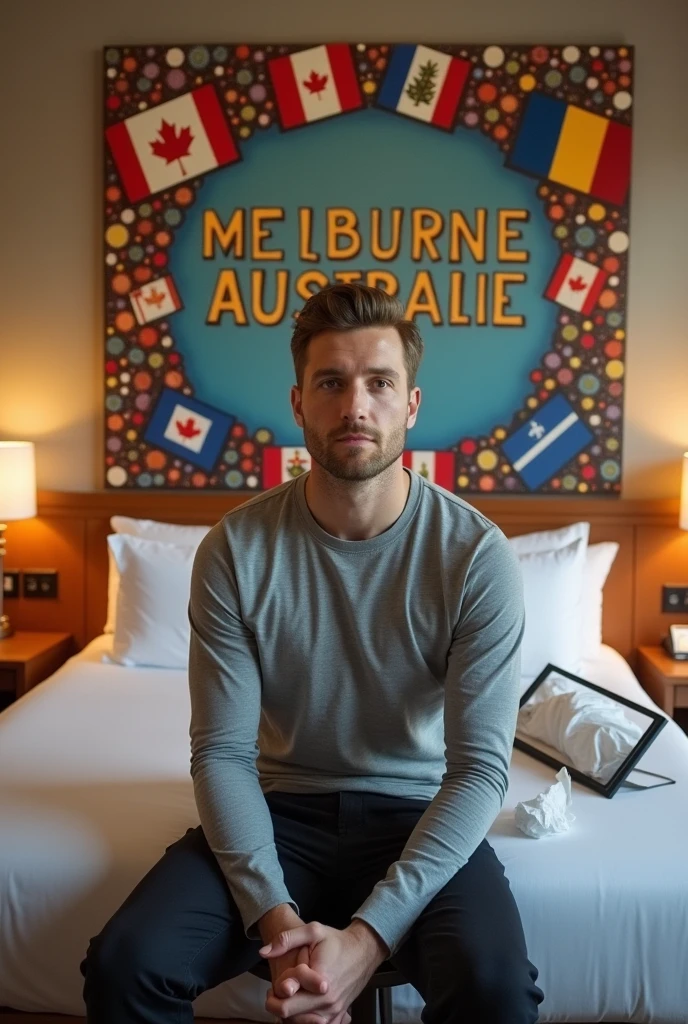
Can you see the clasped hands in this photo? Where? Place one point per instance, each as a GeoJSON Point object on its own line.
{"type": "Point", "coordinates": [318, 971]}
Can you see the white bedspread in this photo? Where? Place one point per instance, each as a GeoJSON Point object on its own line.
{"type": "Point", "coordinates": [94, 784]}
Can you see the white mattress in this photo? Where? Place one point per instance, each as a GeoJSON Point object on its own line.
{"type": "Point", "coordinates": [94, 784]}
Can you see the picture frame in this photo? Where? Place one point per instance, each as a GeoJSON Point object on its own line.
{"type": "Point", "coordinates": [639, 715]}
{"type": "Point", "coordinates": [207, 252]}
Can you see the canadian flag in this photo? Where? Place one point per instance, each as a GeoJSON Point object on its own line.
{"type": "Point", "coordinates": [576, 284]}
{"type": "Point", "coordinates": [282, 464]}
{"type": "Point", "coordinates": [171, 142]}
{"type": "Point", "coordinates": [187, 428]}
{"type": "Point", "coordinates": [155, 299]}
{"type": "Point", "coordinates": [190, 429]}
{"type": "Point", "coordinates": [438, 467]}
{"type": "Point", "coordinates": [314, 83]}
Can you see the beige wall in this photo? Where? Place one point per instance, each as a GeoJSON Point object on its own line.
{"type": "Point", "coordinates": [50, 255]}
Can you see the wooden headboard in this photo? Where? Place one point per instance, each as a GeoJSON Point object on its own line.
{"type": "Point", "coordinates": [70, 530]}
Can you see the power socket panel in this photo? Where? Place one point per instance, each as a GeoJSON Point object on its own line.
{"type": "Point", "coordinates": [675, 598]}
{"type": "Point", "coordinates": [40, 583]}
{"type": "Point", "coordinates": [10, 583]}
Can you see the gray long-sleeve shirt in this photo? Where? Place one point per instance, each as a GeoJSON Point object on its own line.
{"type": "Point", "coordinates": [387, 665]}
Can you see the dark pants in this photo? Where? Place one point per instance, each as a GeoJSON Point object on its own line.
{"type": "Point", "coordinates": [180, 933]}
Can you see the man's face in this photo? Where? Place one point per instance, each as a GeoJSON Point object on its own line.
{"type": "Point", "coordinates": [355, 383]}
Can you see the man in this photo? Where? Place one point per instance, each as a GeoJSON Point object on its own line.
{"type": "Point", "coordinates": [354, 671]}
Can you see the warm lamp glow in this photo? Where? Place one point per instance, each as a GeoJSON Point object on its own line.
{"type": "Point", "coordinates": [17, 480]}
{"type": "Point", "coordinates": [17, 500]}
{"type": "Point", "coordinates": [683, 514]}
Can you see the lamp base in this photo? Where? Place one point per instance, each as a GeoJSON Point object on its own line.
{"type": "Point", "coordinates": [5, 627]}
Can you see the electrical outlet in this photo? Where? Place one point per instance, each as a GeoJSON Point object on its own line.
{"type": "Point", "coordinates": [40, 583]}
{"type": "Point", "coordinates": [10, 583]}
{"type": "Point", "coordinates": [674, 598]}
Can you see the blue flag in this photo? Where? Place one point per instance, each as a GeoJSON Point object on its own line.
{"type": "Point", "coordinates": [546, 442]}
{"type": "Point", "coordinates": [188, 428]}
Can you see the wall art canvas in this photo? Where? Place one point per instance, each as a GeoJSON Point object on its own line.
{"type": "Point", "coordinates": [487, 186]}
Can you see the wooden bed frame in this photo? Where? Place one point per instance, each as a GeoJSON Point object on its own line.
{"type": "Point", "coordinates": [70, 530]}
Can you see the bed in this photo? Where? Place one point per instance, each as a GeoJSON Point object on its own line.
{"type": "Point", "coordinates": [94, 784]}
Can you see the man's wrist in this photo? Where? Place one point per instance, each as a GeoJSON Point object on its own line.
{"type": "Point", "coordinates": [277, 919]}
{"type": "Point", "coordinates": [367, 934]}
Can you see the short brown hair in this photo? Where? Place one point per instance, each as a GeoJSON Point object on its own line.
{"type": "Point", "coordinates": [346, 307]}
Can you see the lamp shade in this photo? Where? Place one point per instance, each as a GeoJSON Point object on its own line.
{"type": "Point", "coordinates": [683, 514]}
{"type": "Point", "coordinates": [17, 480]}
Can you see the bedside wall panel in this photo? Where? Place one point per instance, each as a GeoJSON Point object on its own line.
{"type": "Point", "coordinates": [50, 542]}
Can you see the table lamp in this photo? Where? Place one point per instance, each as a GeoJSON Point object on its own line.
{"type": "Point", "coordinates": [17, 500]}
{"type": "Point", "coordinates": [683, 514]}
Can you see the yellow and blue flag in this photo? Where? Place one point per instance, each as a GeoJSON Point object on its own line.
{"type": "Point", "coordinates": [574, 147]}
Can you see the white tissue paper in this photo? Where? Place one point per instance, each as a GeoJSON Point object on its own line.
{"type": "Point", "coordinates": [548, 813]}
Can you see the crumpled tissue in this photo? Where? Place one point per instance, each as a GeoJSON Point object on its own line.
{"type": "Point", "coordinates": [548, 813]}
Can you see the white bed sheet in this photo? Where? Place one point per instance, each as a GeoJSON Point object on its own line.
{"type": "Point", "coordinates": [94, 784]}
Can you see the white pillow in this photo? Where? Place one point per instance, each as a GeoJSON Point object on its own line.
{"type": "Point", "coordinates": [550, 540]}
{"type": "Point", "coordinates": [598, 562]}
{"type": "Point", "coordinates": [542, 542]}
{"type": "Point", "coordinates": [151, 621]}
{"type": "Point", "coordinates": [553, 591]}
{"type": "Point", "coordinates": [147, 529]}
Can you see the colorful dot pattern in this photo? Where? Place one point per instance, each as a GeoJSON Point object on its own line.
{"type": "Point", "coordinates": [585, 361]}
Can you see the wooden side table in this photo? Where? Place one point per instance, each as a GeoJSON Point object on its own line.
{"type": "Point", "coordinates": [664, 678]}
{"type": "Point", "coordinates": [26, 659]}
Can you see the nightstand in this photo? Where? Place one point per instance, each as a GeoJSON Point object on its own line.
{"type": "Point", "coordinates": [28, 658]}
{"type": "Point", "coordinates": [664, 678]}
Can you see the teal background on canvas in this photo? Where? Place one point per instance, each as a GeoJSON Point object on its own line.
{"type": "Point", "coordinates": [472, 378]}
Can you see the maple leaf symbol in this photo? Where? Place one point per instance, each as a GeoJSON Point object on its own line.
{"type": "Point", "coordinates": [154, 298]}
{"type": "Point", "coordinates": [315, 83]}
{"type": "Point", "coordinates": [577, 284]}
{"type": "Point", "coordinates": [173, 146]}
{"type": "Point", "coordinates": [188, 429]}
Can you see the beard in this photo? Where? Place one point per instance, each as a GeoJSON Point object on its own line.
{"type": "Point", "coordinates": [355, 462]}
